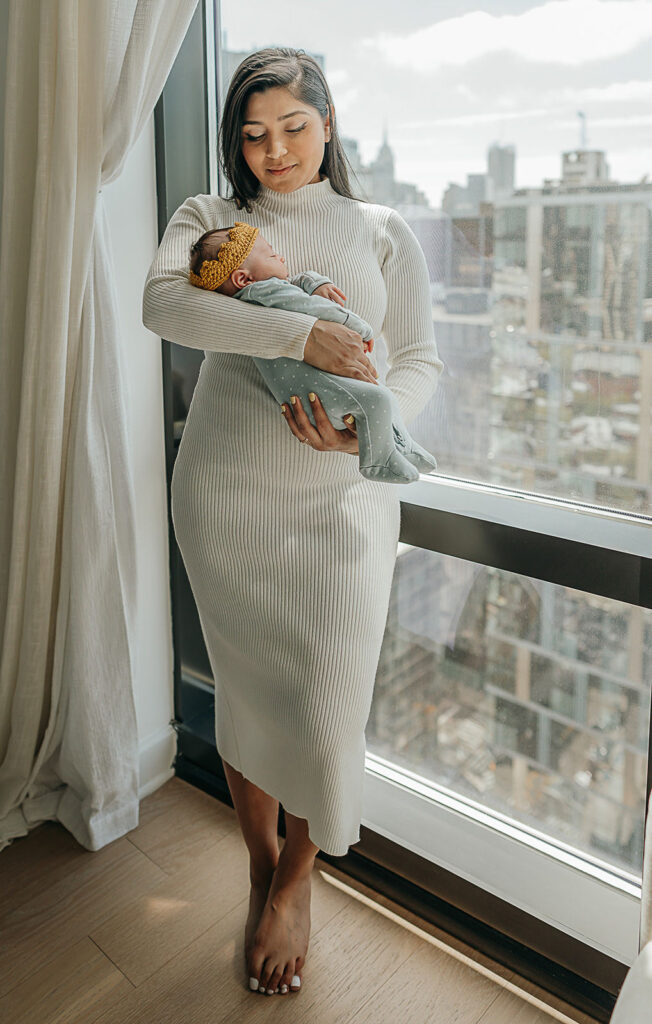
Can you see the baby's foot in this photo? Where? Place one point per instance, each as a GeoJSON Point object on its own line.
{"type": "Point", "coordinates": [280, 942]}
{"type": "Point", "coordinates": [397, 469]}
{"type": "Point", "coordinates": [399, 440]}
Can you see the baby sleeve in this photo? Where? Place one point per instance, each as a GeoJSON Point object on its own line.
{"type": "Point", "coordinates": [408, 330]}
{"type": "Point", "coordinates": [178, 311]}
{"type": "Point", "coordinates": [278, 293]}
{"type": "Point", "coordinates": [309, 280]}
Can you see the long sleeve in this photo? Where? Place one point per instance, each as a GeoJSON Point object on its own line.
{"type": "Point", "coordinates": [276, 293]}
{"type": "Point", "coordinates": [178, 311]}
{"type": "Point", "coordinates": [309, 280]}
{"type": "Point", "coordinates": [408, 330]}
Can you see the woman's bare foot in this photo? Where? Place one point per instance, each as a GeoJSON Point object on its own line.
{"type": "Point", "coordinates": [260, 884]}
{"type": "Point", "coordinates": [280, 942]}
{"type": "Point", "coordinates": [257, 898]}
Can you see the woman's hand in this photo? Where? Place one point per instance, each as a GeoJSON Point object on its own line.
{"type": "Point", "coordinates": [324, 437]}
{"type": "Point", "coordinates": [337, 349]}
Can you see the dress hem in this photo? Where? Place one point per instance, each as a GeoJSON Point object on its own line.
{"type": "Point", "coordinates": [296, 813]}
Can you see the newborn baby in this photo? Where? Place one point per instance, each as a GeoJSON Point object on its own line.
{"type": "Point", "coordinates": [239, 262]}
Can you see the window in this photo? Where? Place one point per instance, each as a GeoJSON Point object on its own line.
{"type": "Point", "coordinates": [529, 699]}
{"type": "Point", "coordinates": [509, 732]}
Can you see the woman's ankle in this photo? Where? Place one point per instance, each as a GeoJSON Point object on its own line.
{"type": "Point", "coordinates": [261, 872]}
{"type": "Point", "coordinates": [291, 870]}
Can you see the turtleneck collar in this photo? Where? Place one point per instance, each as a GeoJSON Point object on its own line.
{"type": "Point", "coordinates": [307, 197]}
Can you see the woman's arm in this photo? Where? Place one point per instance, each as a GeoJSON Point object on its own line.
{"type": "Point", "coordinates": [178, 311]}
{"type": "Point", "coordinates": [414, 363]}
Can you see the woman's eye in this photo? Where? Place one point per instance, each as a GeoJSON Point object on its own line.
{"type": "Point", "coordinates": [257, 138]}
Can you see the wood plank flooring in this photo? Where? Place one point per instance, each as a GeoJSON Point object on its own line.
{"type": "Point", "coordinates": [149, 930]}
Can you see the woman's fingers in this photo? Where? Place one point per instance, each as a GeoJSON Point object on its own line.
{"type": "Point", "coordinates": [299, 423]}
{"type": "Point", "coordinates": [285, 410]}
{"type": "Point", "coordinates": [323, 437]}
{"type": "Point", "coordinates": [350, 422]}
{"type": "Point", "coordinates": [339, 440]}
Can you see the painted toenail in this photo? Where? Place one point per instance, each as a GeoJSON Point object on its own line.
{"type": "Point", "coordinates": [296, 981]}
{"type": "Point", "coordinates": [253, 984]}
{"type": "Point", "coordinates": [284, 988]}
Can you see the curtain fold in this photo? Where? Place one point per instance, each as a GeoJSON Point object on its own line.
{"type": "Point", "coordinates": [83, 77]}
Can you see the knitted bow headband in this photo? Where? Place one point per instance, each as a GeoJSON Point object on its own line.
{"type": "Point", "coordinates": [230, 256]}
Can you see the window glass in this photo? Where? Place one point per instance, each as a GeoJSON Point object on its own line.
{"type": "Point", "coordinates": [530, 698]}
{"type": "Point", "coordinates": [510, 140]}
{"type": "Point", "coordinates": [516, 145]}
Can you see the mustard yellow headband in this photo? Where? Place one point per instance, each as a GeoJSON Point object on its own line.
{"type": "Point", "coordinates": [230, 256]}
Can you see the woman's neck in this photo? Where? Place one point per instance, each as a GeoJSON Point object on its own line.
{"type": "Point", "coordinates": [314, 195]}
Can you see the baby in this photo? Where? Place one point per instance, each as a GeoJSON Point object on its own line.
{"type": "Point", "coordinates": [239, 262]}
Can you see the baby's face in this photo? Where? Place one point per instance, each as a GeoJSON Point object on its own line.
{"type": "Point", "coordinates": [264, 262]}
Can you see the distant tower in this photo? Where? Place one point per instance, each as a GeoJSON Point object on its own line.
{"type": "Point", "coordinates": [584, 167]}
{"type": "Point", "coordinates": [384, 162]}
{"type": "Point", "coordinates": [382, 171]}
{"type": "Point", "coordinates": [582, 117]}
{"type": "Point", "coordinates": [501, 161]}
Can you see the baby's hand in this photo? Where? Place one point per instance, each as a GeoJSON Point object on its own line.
{"type": "Point", "coordinates": [329, 291]}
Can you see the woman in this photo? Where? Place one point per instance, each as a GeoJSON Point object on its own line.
{"type": "Point", "coordinates": [289, 550]}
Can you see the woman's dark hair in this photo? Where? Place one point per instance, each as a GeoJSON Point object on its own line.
{"type": "Point", "coordinates": [295, 70]}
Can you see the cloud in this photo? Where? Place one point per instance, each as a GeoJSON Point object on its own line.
{"type": "Point", "coordinates": [623, 121]}
{"type": "Point", "coordinates": [569, 32]}
{"type": "Point", "coordinates": [616, 92]}
{"type": "Point", "coordinates": [479, 118]}
{"type": "Point", "coordinates": [555, 101]}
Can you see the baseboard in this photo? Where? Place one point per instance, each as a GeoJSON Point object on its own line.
{"type": "Point", "coordinates": [156, 760]}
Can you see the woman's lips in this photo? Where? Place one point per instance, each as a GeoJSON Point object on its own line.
{"type": "Point", "coordinates": [284, 170]}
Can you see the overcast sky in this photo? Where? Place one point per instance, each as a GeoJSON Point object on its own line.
{"type": "Point", "coordinates": [450, 78]}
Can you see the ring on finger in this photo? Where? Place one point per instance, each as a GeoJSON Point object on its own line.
{"type": "Point", "coordinates": [294, 399]}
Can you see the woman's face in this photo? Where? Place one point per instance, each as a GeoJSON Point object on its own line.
{"type": "Point", "coordinates": [281, 131]}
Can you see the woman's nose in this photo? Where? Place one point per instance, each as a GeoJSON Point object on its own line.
{"type": "Point", "coordinates": [275, 147]}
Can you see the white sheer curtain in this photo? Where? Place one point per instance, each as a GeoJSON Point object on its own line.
{"type": "Point", "coordinates": [83, 77]}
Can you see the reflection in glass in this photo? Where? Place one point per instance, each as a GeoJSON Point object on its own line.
{"type": "Point", "coordinates": [541, 295]}
{"type": "Point", "coordinates": [527, 697]}
{"type": "Point", "coordinates": [543, 318]}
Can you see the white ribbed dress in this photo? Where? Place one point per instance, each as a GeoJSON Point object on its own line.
{"type": "Point", "coordinates": [290, 551]}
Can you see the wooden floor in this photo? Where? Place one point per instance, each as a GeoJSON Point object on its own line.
{"type": "Point", "coordinates": [149, 930]}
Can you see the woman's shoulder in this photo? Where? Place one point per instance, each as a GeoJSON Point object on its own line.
{"type": "Point", "coordinates": [375, 222]}
{"type": "Point", "coordinates": [363, 208]}
{"type": "Point", "coordinates": [210, 208]}
{"type": "Point", "coordinates": [365, 219]}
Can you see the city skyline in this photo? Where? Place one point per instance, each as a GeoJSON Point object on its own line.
{"type": "Point", "coordinates": [493, 87]}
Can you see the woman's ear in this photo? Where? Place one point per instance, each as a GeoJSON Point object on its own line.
{"type": "Point", "coordinates": [329, 126]}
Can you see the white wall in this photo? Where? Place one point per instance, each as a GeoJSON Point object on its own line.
{"type": "Point", "coordinates": [130, 203]}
